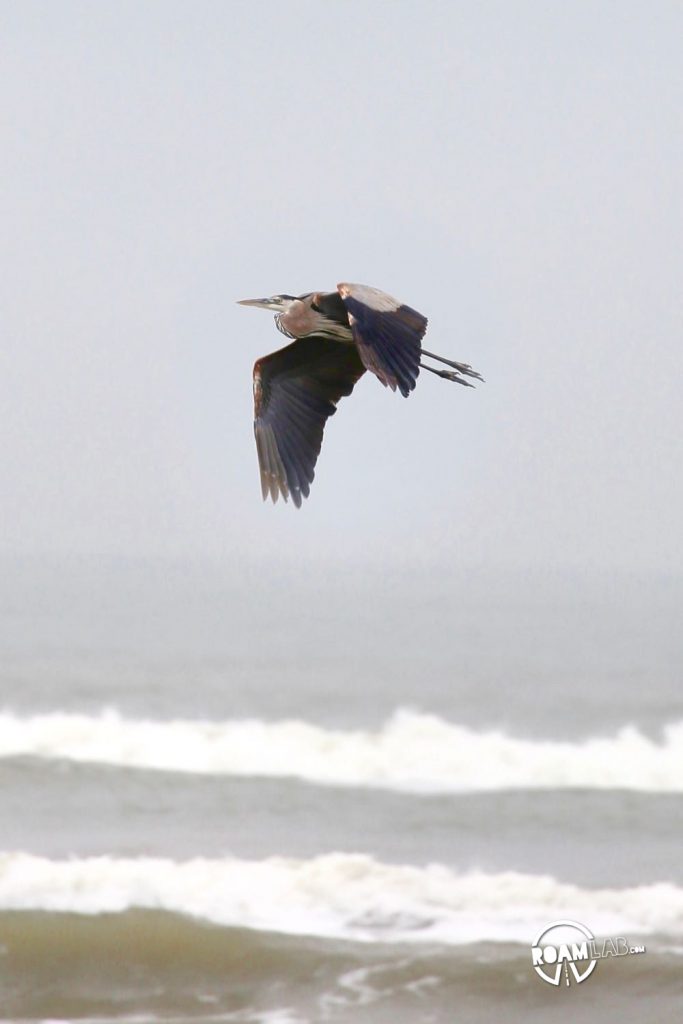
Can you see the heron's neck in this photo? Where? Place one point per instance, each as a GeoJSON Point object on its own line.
{"type": "Point", "coordinates": [329, 329]}
{"type": "Point", "coordinates": [300, 321]}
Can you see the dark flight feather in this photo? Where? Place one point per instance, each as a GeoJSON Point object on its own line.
{"type": "Point", "coordinates": [296, 390]}
{"type": "Point", "coordinates": [388, 337]}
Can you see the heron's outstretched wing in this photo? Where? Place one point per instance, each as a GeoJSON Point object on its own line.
{"type": "Point", "coordinates": [295, 390]}
{"type": "Point", "coordinates": [387, 333]}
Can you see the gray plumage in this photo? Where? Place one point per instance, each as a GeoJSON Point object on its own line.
{"type": "Point", "coordinates": [337, 337]}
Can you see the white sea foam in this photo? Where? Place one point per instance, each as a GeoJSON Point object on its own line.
{"type": "Point", "coordinates": [348, 896]}
{"type": "Point", "coordinates": [411, 752]}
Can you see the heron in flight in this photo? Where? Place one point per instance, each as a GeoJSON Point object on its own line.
{"type": "Point", "coordinates": [337, 337]}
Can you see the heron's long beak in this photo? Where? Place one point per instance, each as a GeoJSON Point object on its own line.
{"type": "Point", "coordinates": [260, 303]}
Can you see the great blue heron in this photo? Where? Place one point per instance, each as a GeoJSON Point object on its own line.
{"type": "Point", "coordinates": [339, 335]}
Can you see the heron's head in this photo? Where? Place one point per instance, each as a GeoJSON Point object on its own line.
{"type": "Point", "coordinates": [276, 303]}
{"type": "Point", "coordinates": [295, 315]}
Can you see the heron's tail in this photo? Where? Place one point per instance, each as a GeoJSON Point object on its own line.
{"type": "Point", "coordinates": [463, 370]}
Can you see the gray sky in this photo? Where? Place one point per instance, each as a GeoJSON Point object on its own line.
{"type": "Point", "coordinates": [513, 170]}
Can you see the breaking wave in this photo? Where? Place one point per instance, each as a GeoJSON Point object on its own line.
{"type": "Point", "coordinates": [340, 896]}
{"type": "Point", "coordinates": [411, 752]}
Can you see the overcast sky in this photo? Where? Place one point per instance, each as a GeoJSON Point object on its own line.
{"type": "Point", "coordinates": [513, 170]}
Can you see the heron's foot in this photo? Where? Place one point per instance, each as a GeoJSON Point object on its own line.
{"type": "Point", "coordinates": [462, 368]}
{"type": "Point", "coordinates": [448, 375]}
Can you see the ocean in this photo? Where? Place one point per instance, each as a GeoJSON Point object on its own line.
{"type": "Point", "coordinates": [251, 793]}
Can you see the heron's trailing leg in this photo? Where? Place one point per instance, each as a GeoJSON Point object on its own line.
{"type": "Point", "coordinates": [447, 375]}
{"type": "Point", "coordinates": [462, 368]}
